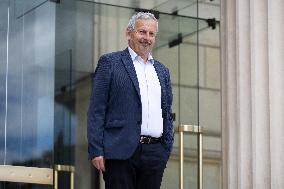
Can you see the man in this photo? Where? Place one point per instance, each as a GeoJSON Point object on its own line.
{"type": "Point", "coordinates": [130, 130]}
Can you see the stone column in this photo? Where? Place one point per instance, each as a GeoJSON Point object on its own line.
{"type": "Point", "coordinates": [252, 44]}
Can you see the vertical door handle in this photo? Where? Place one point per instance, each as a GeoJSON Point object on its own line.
{"type": "Point", "coordinates": [195, 129]}
{"type": "Point", "coordinates": [64, 168]}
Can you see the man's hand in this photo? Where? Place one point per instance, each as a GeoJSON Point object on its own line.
{"type": "Point", "coordinates": [99, 163]}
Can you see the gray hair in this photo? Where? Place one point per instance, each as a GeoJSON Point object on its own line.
{"type": "Point", "coordinates": [140, 15]}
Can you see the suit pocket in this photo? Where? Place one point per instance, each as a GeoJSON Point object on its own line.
{"type": "Point", "coordinates": [115, 124]}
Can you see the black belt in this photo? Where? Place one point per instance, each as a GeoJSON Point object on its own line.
{"type": "Point", "coordinates": [149, 140]}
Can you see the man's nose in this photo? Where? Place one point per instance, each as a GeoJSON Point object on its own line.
{"type": "Point", "coordinates": [148, 36]}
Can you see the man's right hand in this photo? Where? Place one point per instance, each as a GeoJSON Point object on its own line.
{"type": "Point", "coordinates": [99, 163]}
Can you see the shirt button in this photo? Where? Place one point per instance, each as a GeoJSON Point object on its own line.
{"type": "Point", "coordinates": [139, 122]}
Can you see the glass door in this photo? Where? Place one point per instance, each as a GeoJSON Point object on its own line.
{"type": "Point", "coordinates": [35, 99]}
{"type": "Point", "coordinates": [182, 60]}
{"type": "Point", "coordinates": [189, 47]}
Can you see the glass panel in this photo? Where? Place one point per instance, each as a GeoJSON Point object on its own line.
{"type": "Point", "coordinates": [67, 49]}
{"type": "Point", "coordinates": [188, 104]}
{"type": "Point", "coordinates": [29, 73]}
{"type": "Point", "coordinates": [63, 110]}
{"type": "Point", "coordinates": [190, 161]}
{"type": "Point", "coordinates": [24, 7]}
{"type": "Point", "coordinates": [27, 87]}
{"type": "Point", "coordinates": [182, 62]}
{"type": "Point", "coordinates": [210, 105]}
{"type": "Point", "coordinates": [29, 123]}
{"type": "Point", "coordinates": [84, 58]}
{"type": "Point", "coordinates": [177, 5]}
{"type": "Point", "coordinates": [3, 67]}
{"type": "Point", "coordinates": [106, 39]}
{"type": "Point", "coordinates": [73, 66]}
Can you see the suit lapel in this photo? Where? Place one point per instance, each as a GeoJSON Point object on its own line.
{"type": "Point", "coordinates": [161, 76]}
{"type": "Point", "coordinates": [127, 61]}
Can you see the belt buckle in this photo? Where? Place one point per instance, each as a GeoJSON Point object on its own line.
{"type": "Point", "coordinates": [145, 140]}
{"type": "Point", "coordinates": [148, 140]}
{"type": "Point", "coordinates": [141, 139]}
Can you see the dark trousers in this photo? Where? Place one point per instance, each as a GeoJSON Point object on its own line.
{"type": "Point", "coordinates": [144, 170]}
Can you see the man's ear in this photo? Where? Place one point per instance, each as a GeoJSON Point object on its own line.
{"type": "Point", "coordinates": [128, 33]}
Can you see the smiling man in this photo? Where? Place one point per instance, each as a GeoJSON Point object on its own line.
{"type": "Point", "coordinates": [130, 130]}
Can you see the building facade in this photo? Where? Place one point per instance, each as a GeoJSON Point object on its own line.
{"type": "Point", "coordinates": [252, 93]}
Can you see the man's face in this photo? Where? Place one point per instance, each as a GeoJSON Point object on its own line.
{"type": "Point", "coordinates": [142, 38]}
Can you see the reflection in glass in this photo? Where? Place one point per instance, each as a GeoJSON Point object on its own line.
{"type": "Point", "coordinates": [63, 110]}
{"type": "Point", "coordinates": [29, 78]}
{"type": "Point", "coordinates": [3, 75]}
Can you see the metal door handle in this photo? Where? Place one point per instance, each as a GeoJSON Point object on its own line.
{"type": "Point", "coordinates": [195, 129]}
{"type": "Point", "coordinates": [64, 168]}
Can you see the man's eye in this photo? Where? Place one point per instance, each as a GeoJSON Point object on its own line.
{"type": "Point", "coordinates": [143, 32]}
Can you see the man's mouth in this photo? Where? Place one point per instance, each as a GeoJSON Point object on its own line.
{"type": "Point", "coordinates": [145, 44]}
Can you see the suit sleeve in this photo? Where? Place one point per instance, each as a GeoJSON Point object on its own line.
{"type": "Point", "coordinates": [169, 135]}
{"type": "Point", "coordinates": [98, 108]}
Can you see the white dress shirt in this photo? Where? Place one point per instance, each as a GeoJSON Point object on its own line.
{"type": "Point", "coordinates": [150, 92]}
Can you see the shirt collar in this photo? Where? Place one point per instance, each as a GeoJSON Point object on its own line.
{"type": "Point", "coordinates": [134, 55]}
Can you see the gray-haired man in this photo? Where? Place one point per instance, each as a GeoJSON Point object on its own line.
{"type": "Point", "coordinates": [130, 128]}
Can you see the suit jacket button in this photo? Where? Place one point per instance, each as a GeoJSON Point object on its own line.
{"type": "Point", "coordinates": [139, 122]}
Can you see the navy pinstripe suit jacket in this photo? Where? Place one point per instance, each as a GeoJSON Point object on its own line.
{"type": "Point", "coordinates": [115, 111]}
